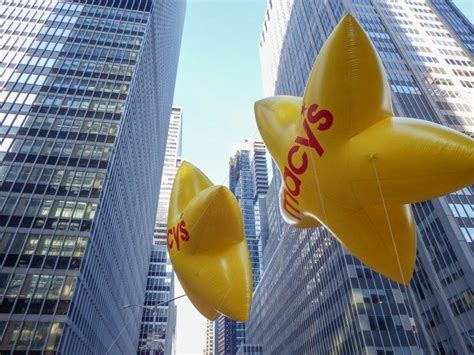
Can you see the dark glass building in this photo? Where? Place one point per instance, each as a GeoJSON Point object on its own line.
{"type": "Point", "coordinates": [313, 296]}
{"type": "Point", "coordinates": [248, 180]}
{"type": "Point", "coordinates": [87, 89]}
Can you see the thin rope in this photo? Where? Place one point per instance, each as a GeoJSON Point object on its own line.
{"type": "Point", "coordinates": [372, 160]}
{"type": "Point", "coordinates": [147, 308]}
{"type": "Point", "coordinates": [118, 335]}
{"type": "Point", "coordinates": [459, 321]}
{"type": "Point", "coordinates": [319, 189]}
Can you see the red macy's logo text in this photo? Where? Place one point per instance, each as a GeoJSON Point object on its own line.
{"type": "Point", "coordinates": [176, 233]}
{"type": "Point", "coordinates": [295, 166]}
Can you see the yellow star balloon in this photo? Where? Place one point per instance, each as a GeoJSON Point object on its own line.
{"type": "Point", "coordinates": [351, 166]}
{"type": "Point", "coordinates": [207, 245]}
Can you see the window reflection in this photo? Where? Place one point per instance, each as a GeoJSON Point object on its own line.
{"type": "Point", "coordinates": [39, 338]}
{"type": "Point", "coordinates": [26, 335]}
{"type": "Point", "coordinates": [54, 336]}
{"type": "Point", "coordinates": [10, 335]}
{"type": "Point", "coordinates": [15, 285]}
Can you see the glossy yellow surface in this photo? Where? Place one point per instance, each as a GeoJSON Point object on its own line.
{"type": "Point", "coordinates": [207, 245]}
{"type": "Point", "coordinates": [351, 166]}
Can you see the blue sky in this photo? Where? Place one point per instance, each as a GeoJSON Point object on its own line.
{"type": "Point", "coordinates": [467, 7]}
{"type": "Point", "coordinates": [218, 81]}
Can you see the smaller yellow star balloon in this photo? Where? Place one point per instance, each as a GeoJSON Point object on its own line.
{"type": "Point", "coordinates": [348, 164]}
{"type": "Point", "coordinates": [207, 245]}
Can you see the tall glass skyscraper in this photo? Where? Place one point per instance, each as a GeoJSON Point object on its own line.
{"type": "Point", "coordinates": [170, 168]}
{"type": "Point", "coordinates": [157, 335]}
{"type": "Point", "coordinates": [248, 180]}
{"type": "Point", "coordinates": [87, 89]}
{"type": "Point", "coordinates": [314, 297]}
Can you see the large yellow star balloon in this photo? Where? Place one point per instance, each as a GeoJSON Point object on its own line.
{"type": "Point", "coordinates": [207, 246]}
{"type": "Point", "coordinates": [351, 166]}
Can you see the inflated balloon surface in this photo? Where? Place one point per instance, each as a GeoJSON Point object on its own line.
{"type": "Point", "coordinates": [207, 245]}
{"type": "Point", "coordinates": [351, 166]}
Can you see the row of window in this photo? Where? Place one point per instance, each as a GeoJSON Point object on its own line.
{"type": "Point", "coordinates": [95, 68]}
{"type": "Point", "coordinates": [59, 124]}
{"type": "Point", "coordinates": [25, 15]}
{"type": "Point", "coordinates": [58, 148]}
{"type": "Point", "coordinates": [31, 207]}
{"type": "Point", "coordinates": [463, 210]}
{"type": "Point", "coordinates": [65, 84]}
{"type": "Point", "coordinates": [108, 25]}
{"type": "Point", "coordinates": [106, 39]}
{"type": "Point", "coordinates": [451, 52]}
{"type": "Point", "coordinates": [78, 103]}
{"type": "Point", "coordinates": [453, 106]}
{"type": "Point", "coordinates": [38, 286]}
{"type": "Point", "coordinates": [72, 66]}
{"type": "Point", "coordinates": [43, 335]}
{"type": "Point", "coordinates": [23, 244]}
{"type": "Point", "coordinates": [385, 323]}
{"type": "Point", "coordinates": [463, 63]}
{"type": "Point", "coordinates": [69, 179]}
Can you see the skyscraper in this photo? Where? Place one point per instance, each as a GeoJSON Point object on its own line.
{"type": "Point", "coordinates": [314, 296]}
{"type": "Point", "coordinates": [209, 349]}
{"type": "Point", "coordinates": [87, 89]}
{"type": "Point", "coordinates": [170, 168]}
{"type": "Point", "coordinates": [248, 180]}
{"type": "Point", "coordinates": [158, 326]}
{"type": "Point", "coordinates": [158, 330]}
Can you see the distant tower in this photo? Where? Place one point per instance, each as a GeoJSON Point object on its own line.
{"type": "Point", "coordinates": [160, 281]}
{"type": "Point", "coordinates": [170, 168]}
{"type": "Point", "coordinates": [209, 350]}
{"type": "Point", "coordinates": [248, 180]}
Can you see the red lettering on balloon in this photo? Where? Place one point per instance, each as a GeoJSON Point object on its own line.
{"type": "Point", "coordinates": [177, 233]}
{"type": "Point", "coordinates": [291, 171]}
{"type": "Point", "coordinates": [182, 229]}
{"type": "Point", "coordinates": [310, 141]}
{"type": "Point", "coordinates": [170, 242]}
{"type": "Point", "coordinates": [304, 160]}
{"type": "Point", "coordinates": [289, 175]}
{"type": "Point", "coordinates": [315, 116]}
{"type": "Point", "coordinates": [290, 208]}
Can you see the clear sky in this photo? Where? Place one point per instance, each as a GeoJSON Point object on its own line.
{"type": "Point", "coordinates": [218, 81]}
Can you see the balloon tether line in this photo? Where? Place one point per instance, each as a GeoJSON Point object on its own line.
{"type": "Point", "coordinates": [373, 158]}
{"type": "Point", "coordinates": [319, 189]}
{"type": "Point", "coordinates": [458, 321]}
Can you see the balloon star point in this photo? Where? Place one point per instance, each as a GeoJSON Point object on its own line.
{"type": "Point", "coordinates": [348, 164]}
{"type": "Point", "coordinates": [207, 245]}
